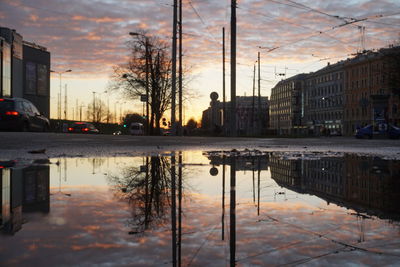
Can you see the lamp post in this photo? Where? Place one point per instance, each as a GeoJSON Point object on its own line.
{"type": "Point", "coordinates": [59, 97]}
{"type": "Point", "coordinates": [147, 76]}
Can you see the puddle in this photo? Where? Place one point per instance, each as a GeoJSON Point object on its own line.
{"type": "Point", "coordinates": [201, 209]}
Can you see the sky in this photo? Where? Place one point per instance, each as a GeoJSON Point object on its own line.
{"type": "Point", "coordinates": [300, 36]}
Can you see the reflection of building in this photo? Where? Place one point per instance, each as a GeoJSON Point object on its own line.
{"type": "Point", "coordinates": [23, 190]}
{"type": "Point", "coordinates": [25, 70]}
{"type": "Point", "coordinates": [286, 172]}
{"type": "Point", "coordinates": [364, 184]}
{"type": "Point", "coordinates": [242, 163]}
{"type": "Point", "coordinates": [287, 106]}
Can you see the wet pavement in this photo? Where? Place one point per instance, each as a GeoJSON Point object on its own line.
{"type": "Point", "coordinates": [195, 208]}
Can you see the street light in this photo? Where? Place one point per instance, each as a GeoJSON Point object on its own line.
{"type": "Point", "coordinates": [59, 97]}
{"type": "Point", "coordinates": [147, 76]}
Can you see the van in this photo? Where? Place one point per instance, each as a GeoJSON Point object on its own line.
{"type": "Point", "coordinates": [136, 128]}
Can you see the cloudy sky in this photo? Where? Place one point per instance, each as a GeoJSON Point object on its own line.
{"type": "Point", "coordinates": [89, 37]}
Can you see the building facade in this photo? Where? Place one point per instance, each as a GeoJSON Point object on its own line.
{"type": "Point", "coordinates": [252, 116]}
{"type": "Point", "coordinates": [371, 89]}
{"type": "Point", "coordinates": [25, 70]}
{"type": "Point", "coordinates": [287, 106]}
{"type": "Point", "coordinates": [324, 100]}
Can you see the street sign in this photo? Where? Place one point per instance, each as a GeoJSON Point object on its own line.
{"type": "Point", "coordinates": [143, 98]}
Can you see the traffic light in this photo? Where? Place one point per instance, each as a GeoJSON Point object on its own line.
{"type": "Point", "coordinates": [124, 125]}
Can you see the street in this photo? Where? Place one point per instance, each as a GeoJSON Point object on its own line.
{"type": "Point", "coordinates": [17, 145]}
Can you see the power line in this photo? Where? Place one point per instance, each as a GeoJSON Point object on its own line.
{"type": "Point", "coordinates": [202, 21]}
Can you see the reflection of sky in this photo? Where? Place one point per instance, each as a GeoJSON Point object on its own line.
{"type": "Point", "coordinates": [91, 226]}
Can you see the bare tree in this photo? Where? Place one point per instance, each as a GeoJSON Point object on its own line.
{"type": "Point", "coordinates": [151, 54]}
{"type": "Point", "coordinates": [97, 111]}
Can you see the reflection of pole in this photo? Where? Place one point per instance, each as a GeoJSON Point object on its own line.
{"type": "Point", "coordinates": [254, 187]}
{"type": "Point", "coordinates": [223, 198]}
{"type": "Point", "coordinates": [147, 204]}
{"type": "Point", "coordinates": [180, 208]}
{"type": "Point", "coordinates": [173, 209]}
{"type": "Point", "coordinates": [233, 213]}
{"type": "Point", "coordinates": [258, 187]}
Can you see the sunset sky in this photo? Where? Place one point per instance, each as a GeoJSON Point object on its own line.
{"type": "Point", "coordinates": [90, 38]}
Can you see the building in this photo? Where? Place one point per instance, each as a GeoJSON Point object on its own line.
{"type": "Point", "coordinates": [372, 89]}
{"type": "Point", "coordinates": [36, 83]}
{"type": "Point", "coordinates": [25, 70]}
{"type": "Point", "coordinates": [287, 106]}
{"type": "Point", "coordinates": [252, 115]}
{"type": "Point", "coordinates": [324, 100]}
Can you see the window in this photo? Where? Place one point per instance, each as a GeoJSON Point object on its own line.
{"type": "Point", "coordinates": [42, 77]}
{"type": "Point", "coordinates": [30, 78]}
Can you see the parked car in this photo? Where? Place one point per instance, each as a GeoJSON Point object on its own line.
{"type": "Point", "coordinates": [393, 132]}
{"type": "Point", "coordinates": [389, 130]}
{"type": "Point", "coordinates": [136, 128]}
{"type": "Point", "coordinates": [18, 114]}
{"type": "Point", "coordinates": [365, 132]}
{"type": "Point", "coordinates": [83, 127]}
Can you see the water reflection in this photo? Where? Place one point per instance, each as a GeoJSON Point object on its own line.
{"type": "Point", "coordinates": [24, 189]}
{"type": "Point", "coordinates": [172, 209]}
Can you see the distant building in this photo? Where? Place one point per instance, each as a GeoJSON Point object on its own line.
{"type": "Point", "coordinates": [25, 70]}
{"type": "Point", "coordinates": [324, 100]}
{"type": "Point", "coordinates": [287, 106]}
{"type": "Point", "coordinates": [372, 89]}
{"type": "Point", "coordinates": [250, 119]}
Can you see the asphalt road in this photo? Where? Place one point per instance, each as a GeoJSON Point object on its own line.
{"type": "Point", "coordinates": [18, 144]}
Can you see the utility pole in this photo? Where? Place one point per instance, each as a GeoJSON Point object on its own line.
{"type": "Point", "coordinates": [94, 105]}
{"type": "Point", "coordinates": [233, 69]}
{"type": "Point", "coordinates": [65, 102]}
{"type": "Point", "coordinates": [173, 78]}
{"type": "Point", "coordinates": [180, 130]}
{"type": "Point", "coordinates": [147, 85]}
{"type": "Point", "coordinates": [223, 81]}
{"type": "Point", "coordinates": [254, 97]}
{"type": "Point", "coordinates": [259, 97]}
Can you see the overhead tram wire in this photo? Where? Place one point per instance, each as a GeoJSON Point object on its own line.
{"type": "Point", "coordinates": [202, 21]}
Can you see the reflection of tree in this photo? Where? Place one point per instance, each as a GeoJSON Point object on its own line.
{"type": "Point", "coordinates": [148, 191]}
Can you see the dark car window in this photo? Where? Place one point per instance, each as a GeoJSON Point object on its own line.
{"type": "Point", "coordinates": [34, 109]}
{"type": "Point", "coordinates": [27, 107]}
{"type": "Point", "coordinates": [6, 105]}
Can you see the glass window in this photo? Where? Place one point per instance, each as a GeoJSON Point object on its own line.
{"type": "Point", "coordinates": [30, 78]}
{"type": "Point", "coordinates": [6, 70]}
{"type": "Point", "coordinates": [42, 74]}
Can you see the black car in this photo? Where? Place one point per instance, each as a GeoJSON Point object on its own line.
{"type": "Point", "coordinates": [83, 127]}
{"type": "Point", "coordinates": [18, 114]}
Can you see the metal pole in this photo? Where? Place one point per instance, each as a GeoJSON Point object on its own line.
{"type": "Point", "coordinates": [59, 99]}
{"type": "Point", "coordinates": [65, 102]}
{"type": "Point", "coordinates": [94, 105]}
{"type": "Point", "coordinates": [173, 78]}
{"type": "Point", "coordinates": [223, 81]}
{"type": "Point", "coordinates": [233, 69]}
{"type": "Point", "coordinates": [259, 97]}
{"type": "Point", "coordinates": [180, 130]}
{"type": "Point", "coordinates": [254, 98]}
{"type": "Point", "coordinates": [147, 85]}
